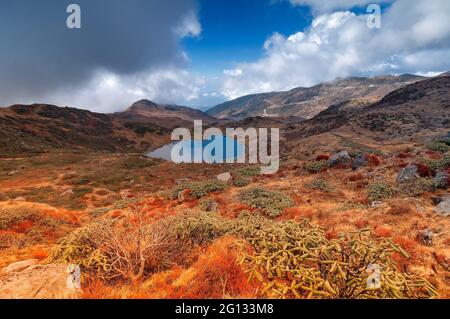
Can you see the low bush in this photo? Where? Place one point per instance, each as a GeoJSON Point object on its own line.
{"type": "Point", "coordinates": [270, 203]}
{"type": "Point", "coordinates": [289, 259]}
{"type": "Point", "coordinates": [300, 262]}
{"type": "Point", "coordinates": [418, 186]}
{"type": "Point", "coordinates": [242, 181]}
{"type": "Point", "coordinates": [438, 164]}
{"type": "Point", "coordinates": [250, 171]}
{"type": "Point", "coordinates": [315, 167]}
{"type": "Point", "coordinates": [199, 189]}
{"type": "Point", "coordinates": [379, 191]}
{"type": "Point", "coordinates": [322, 185]}
{"type": "Point", "coordinates": [438, 146]}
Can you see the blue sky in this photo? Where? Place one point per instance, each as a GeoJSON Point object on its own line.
{"type": "Point", "coordinates": [233, 34]}
{"type": "Point", "coordinates": [202, 52]}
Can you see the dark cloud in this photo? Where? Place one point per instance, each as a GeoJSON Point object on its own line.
{"type": "Point", "coordinates": [40, 54]}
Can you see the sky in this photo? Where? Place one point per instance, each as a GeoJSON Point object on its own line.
{"type": "Point", "coordinates": [203, 52]}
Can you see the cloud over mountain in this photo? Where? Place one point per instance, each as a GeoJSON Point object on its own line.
{"type": "Point", "coordinates": [131, 41]}
{"type": "Point", "coordinates": [415, 37]}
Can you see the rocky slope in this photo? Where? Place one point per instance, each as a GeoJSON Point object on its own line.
{"type": "Point", "coordinates": [412, 112]}
{"type": "Point", "coordinates": [42, 127]}
{"type": "Point", "coordinates": [308, 102]}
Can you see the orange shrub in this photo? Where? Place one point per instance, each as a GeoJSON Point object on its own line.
{"type": "Point", "coordinates": [423, 170]}
{"type": "Point", "coordinates": [383, 231]}
{"type": "Point", "coordinates": [40, 254]}
{"type": "Point", "coordinates": [23, 227]}
{"type": "Point", "coordinates": [356, 177]}
{"type": "Point", "coordinates": [373, 160]}
{"type": "Point", "coordinates": [407, 244]}
{"type": "Point", "coordinates": [96, 289]}
{"type": "Point", "coordinates": [361, 223]}
{"type": "Point", "coordinates": [216, 274]}
{"type": "Point", "coordinates": [323, 157]}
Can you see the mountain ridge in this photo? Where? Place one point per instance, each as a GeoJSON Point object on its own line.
{"type": "Point", "coordinates": [307, 102]}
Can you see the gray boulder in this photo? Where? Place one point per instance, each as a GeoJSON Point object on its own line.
{"type": "Point", "coordinates": [359, 161]}
{"type": "Point", "coordinates": [444, 207]}
{"type": "Point", "coordinates": [342, 158]}
{"type": "Point", "coordinates": [407, 174]}
{"type": "Point", "coordinates": [442, 179]}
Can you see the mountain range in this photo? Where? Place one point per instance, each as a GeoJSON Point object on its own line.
{"type": "Point", "coordinates": [383, 107]}
{"type": "Point", "coordinates": [308, 102]}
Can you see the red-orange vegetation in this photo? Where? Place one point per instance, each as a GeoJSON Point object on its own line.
{"type": "Point", "coordinates": [116, 214]}
{"type": "Point", "coordinates": [323, 157]}
{"type": "Point", "coordinates": [23, 227]}
{"type": "Point", "coordinates": [217, 274]}
{"type": "Point", "coordinates": [40, 254]}
{"type": "Point", "coordinates": [401, 207]}
{"type": "Point", "coordinates": [383, 231]}
{"type": "Point", "coordinates": [407, 244]}
{"type": "Point", "coordinates": [191, 204]}
{"type": "Point", "coordinates": [423, 170]}
{"type": "Point", "coordinates": [297, 213]}
{"type": "Point", "coordinates": [356, 177]}
{"type": "Point", "coordinates": [433, 155]}
{"type": "Point", "coordinates": [361, 223]}
{"type": "Point", "coordinates": [331, 234]}
{"type": "Point", "coordinates": [373, 160]}
{"type": "Point", "coordinates": [403, 155]}
{"type": "Point", "coordinates": [96, 289]}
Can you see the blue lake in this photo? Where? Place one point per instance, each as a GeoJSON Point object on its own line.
{"type": "Point", "coordinates": [235, 149]}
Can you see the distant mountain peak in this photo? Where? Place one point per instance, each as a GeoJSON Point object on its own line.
{"type": "Point", "coordinates": [142, 105]}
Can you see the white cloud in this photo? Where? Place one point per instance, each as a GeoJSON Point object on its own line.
{"type": "Point", "coordinates": [189, 27]}
{"type": "Point", "coordinates": [107, 92]}
{"type": "Point", "coordinates": [329, 5]}
{"type": "Point", "coordinates": [233, 72]}
{"type": "Point", "coordinates": [415, 37]}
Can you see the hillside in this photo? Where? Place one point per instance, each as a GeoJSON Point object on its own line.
{"type": "Point", "coordinates": [308, 102]}
{"type": "Point", "coordinates": [414, 111]}
{"type": "Point", "coordinates": [167, 116]}
{"type": "Point", "coordinates": [42, 127]}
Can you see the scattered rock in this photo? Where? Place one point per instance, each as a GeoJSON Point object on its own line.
{"type": "Point", "coordinates": [359, 161]}
{"type": "Point", "coordinates": [436, 200]}
{"type": "Point", "coordinates": [442, 179]}
{"type": "Point", "coordinates": [12, 173]}
{"type": "Point", "coordinates": [224, 177]}
{"type": "Point", "coordinates": [407, 174]}
{"type": "Point", "coordinates": [376, 204]}
{"type": "Point", "coordinates": [444, 207]}
{"type": "Point", "coordinates": [211, 206]}
{"type": "Point", "coordinates": [29, 280]}
{"type": "Point", "coordinates": [68, 192]}
{"type": "Point", "coordinates": [426, 237]}
{"type": "Point", "coordinates": [341, 159]}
